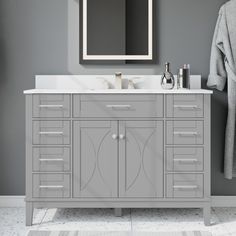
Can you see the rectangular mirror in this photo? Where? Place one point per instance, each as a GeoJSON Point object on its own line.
{"type": "Point", "coordinates": [116, 30]}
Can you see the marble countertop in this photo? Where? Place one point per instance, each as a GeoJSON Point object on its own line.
{"type": "Point", "coordinates": [118, 91]}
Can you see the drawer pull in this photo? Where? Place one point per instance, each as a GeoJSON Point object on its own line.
{"type": "Point", "coordinates": [51, 133]}
{"type": "Point", "coordinates": [186, 133]}
{"type": "Point", "coordinates": [118, 106]}
{"type": "Point", "coordinates": [51, 186]}
{"type": "Point", "coordinates": [186, 160]}
{"type": "Point", "coordinates": [56, 160]}
{"type": "Point", "coordinates": [122, 136]}
{"type": "Point", "coordinates": [185, 187]}
{"type": "Point", "coordinates": [50, 106]}
{"type": "Point", "coordinates": [186, 106]}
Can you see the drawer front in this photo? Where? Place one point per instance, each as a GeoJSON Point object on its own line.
{"type": "Point", "coordinates": [184, 132]}
{"type": "Point", "coordinates": [51, 132]}
{"type": "Point", "coordinates": [51, 185]}
{"type": "Point", "coordinates": [184, 105]}
{"type": "Point", "coordinates": [180, 159]}
{"type": "Point", "coordinates": [184, 186]}
{"type": "Point", "coordinates": [49, 159]}
{"type": "Point", "coordinates": [51, 105]}
{"type": "Point", "coordinates": [118, 106]}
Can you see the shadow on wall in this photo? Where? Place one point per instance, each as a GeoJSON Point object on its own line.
{"type": "Point", "coordinates": [218, 119]}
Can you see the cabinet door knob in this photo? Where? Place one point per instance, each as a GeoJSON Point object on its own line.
{"type": "Point", "coordinates": [114, 136]}
{"type": "Point", "coordinates": [122, 136]}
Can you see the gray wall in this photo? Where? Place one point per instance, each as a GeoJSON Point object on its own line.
{"type": "Point", "coordinates": [35, 39]}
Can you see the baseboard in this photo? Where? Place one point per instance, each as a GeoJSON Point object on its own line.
{"type": "Point", "coordinates": [12, 201]}
{"type": "Point", "coordinates": [223, 201]}
{"type": "Point", "coordinates": [19, 201]}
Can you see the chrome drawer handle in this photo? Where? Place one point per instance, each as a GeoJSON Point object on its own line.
{"type": "Point", "coordinates": [118, 106]}
{"type": "Point", "coordinates": [51, 186]}
{"type": "Point", "coordinates": [186, 133]}
{"type": "Point", "coordinates": [122, 136]}
{"type": "Point", "coordinates": [51, 133]}
{"type": "Point", "coordinates": [56, 160]}
{"type": "Point", "coordinates": [185, 187]}
{"type": "Point", "coordinates": [50, 106]}
{"type": "Point", "coordinates": [186, 160]}
{"type": "Point", "coordinates": [186, 106]}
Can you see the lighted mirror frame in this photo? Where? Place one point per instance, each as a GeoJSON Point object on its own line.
{"type": "Point", "coordinates": [149, 56]}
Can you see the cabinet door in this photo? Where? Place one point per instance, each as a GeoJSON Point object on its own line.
{"type": "Point", "coordinates": [95, 159]}
{"type": "Point", "coordinates": [141, 159]}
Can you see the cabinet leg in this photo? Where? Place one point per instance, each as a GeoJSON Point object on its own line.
{"type": "Point", "coordinates": [118, 212]}
{"type": "Point", "coordinates": [29, 213]}
{"type": "Point", "coordinates": [207, 215]}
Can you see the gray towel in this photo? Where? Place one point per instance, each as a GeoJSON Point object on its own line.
{"type": "Point", "coordinates": [222, 68]}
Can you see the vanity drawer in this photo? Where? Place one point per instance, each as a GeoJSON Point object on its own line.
{"type": "Point", "coordinates": [180, 159]}
{"type": "Point", "coordinates": [116, 106]}
{"type": "Point", "coordinates": [51, 185]}
{"type": "Point", "coordinates": [184, 132]}
{"type": "Point", "coordinates": [49, 159]}
{"type": "Point", "coordinates": [184, 186]}
{"type": "Point", "coordinates": [184, 105]}
{"type": "Point", "coordinates": [51, 132]}
{"type": "Point", "coordinates": [57, 105]}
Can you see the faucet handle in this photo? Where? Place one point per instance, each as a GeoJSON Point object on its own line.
{"type": "Point", "coordinates": [118, 73]}
{"type": "Point", "coordinates": [131, 84]}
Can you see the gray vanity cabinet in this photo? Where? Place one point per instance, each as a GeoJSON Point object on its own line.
{"type": "Point", "coordinates": [104, 150]}
{"type": "Point", "coordinates": [184, 159]}
{"type": "Point", "coordinates": [48, 105]}
{"type": "Point", "coordinates": [51, 185]}
{"type": "Point", "coordinates": [187, 185]}
{"type": "Point", "coordinates": [51, 132]}
{"type": "Point", "coordinates": [178, 106]}
{"type": "Point", "coordinates": [141, 159]}
{"type": "Point", "coordinates": [184, 132]}
{"type": "Point", "coordinates": [118, 106]}
{"type": "Point", "coordinates": [95, 167]}
{"type": "Point", "coordinates": [51, 159]}
{"type": "Point", "coordinates": [118, 151]}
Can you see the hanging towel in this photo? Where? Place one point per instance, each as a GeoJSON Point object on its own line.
{"type": "Point", "coordinates": [222, 68]}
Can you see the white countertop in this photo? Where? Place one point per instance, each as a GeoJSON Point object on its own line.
{"type": "Point", "coordinates": [118, 91]}
{"type": "Point", "coordinates": [97, 84]}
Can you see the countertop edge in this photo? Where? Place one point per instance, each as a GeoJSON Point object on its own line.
{"type": "Point", "coordinates": [137, 91]}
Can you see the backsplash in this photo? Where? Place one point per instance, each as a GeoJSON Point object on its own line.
{"type": "Point", "coordinates": [97, 81]}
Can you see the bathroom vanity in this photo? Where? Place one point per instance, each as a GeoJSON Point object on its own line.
{"type": "Point", "coordinates": [142, 148]}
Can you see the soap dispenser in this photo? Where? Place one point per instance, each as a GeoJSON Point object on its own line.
{"type": "Point", "coordinates": [167, 79]}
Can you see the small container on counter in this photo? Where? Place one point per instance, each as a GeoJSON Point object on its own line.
{"type": "Point", "coordinates": [167, 79]}
{"type": "Point", "coordinates": [183, 78]}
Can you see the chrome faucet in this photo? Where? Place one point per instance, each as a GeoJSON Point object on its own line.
{"type": "Point", "coordinates": [118, 80]}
